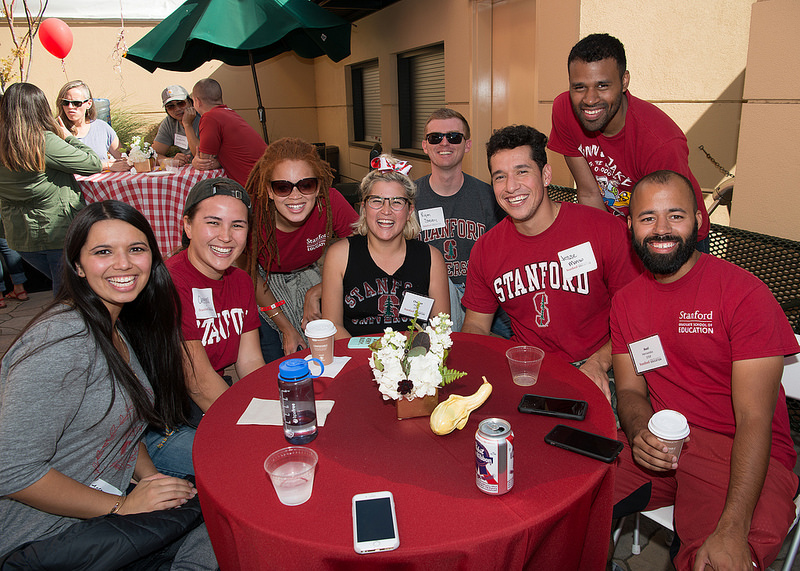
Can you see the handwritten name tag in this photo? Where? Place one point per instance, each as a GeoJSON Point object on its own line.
{"type": "Point", "coordinates": [647, 354]}
{"type": "Point", "coordinates": [431, 218]}
{"type": "Point", "coordinates": [419, 304]}
{"type": "Point", "coordinates": [203, 301]}
{"type": "Point", "coordinates": [181, 141]}
{"type": "Point", "coordinates": [577, 260]}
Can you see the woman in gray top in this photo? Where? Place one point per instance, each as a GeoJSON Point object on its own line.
{"type": "Point", "coordinates": [82, 381]}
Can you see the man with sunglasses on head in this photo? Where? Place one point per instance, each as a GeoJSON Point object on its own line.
{"type": "Point", "coordinates": [454, 209]}
{"type": "Point", "coordinates": [226, 139]}
{"type": "Point", "coordinates": [181, 126]}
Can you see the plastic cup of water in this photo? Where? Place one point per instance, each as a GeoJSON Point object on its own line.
{"type": "Point", "coordinates": [525, 362]}
{"type": "Point", "coordinates": [291, 470]}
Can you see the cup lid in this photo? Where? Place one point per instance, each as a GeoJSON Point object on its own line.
{"type": "Point", "coordinates": [320, 328]}
{"type": "Point", "coordinates": [669, 425]}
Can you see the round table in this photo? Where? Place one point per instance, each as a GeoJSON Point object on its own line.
{"type": "Point", "coordinates": [557, 516]}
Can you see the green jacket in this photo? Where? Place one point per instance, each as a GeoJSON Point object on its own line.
{"type": "Point", "coordinates": [37, 207]}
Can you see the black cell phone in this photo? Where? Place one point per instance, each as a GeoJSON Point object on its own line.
{"type": "Point", "coordinates": [552, 406]}
{"type": "Point", "coordinates": [586, 443]}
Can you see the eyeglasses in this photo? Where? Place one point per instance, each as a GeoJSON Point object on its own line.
{"type": "Point", "coordinates": [176, 104]}
{"type": "Point", "coordinates": [395, 202]}
{"type": "Point", "coordinates": [70, 103]}
{"type": "Point", "coordinates": [453, 137]}
{"type": "Point", "coordinates": [284, 187]}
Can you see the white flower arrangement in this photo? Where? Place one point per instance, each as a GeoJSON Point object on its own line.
{"type": "Point", "coordinates": [413, 366]}
{"type": "Point", "coordinates": [140, 151]}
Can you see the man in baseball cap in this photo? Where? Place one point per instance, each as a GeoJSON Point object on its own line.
{"type": "Point", "coordinates": [180, 127]}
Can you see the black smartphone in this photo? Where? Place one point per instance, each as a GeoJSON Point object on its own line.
{"type": "Point", "coordinates": [586, 443]}
{"type": "Point", "coordinates": [552, 406]}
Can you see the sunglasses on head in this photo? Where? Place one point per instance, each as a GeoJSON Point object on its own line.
{"type": "Point", "coordinates": [304, 185]}
{"type": "Point", "coordinates": [453, 137]}
{"type": "Point", "coordinates": [70, 103]}
{"type": "Point", "coordinates": [176, 104]}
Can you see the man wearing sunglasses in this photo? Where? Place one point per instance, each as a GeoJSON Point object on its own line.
{"type": "Point", "coordinates": [226, 139]}
{"type": "Point", "coordinates": [454, 209]}
{"type": "Point", "coordinates": [181, 126]}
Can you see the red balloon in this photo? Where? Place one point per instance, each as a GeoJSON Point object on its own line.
{"type": "Point", "coordinates": [56, 37]}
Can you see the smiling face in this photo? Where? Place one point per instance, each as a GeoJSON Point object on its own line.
{"type": "Point", "coordinates": [597, 93]}
{"type": "Point", "coordinates": [293, 210]}
{"type": "Point", "coordinates": [385, 223]}
{"type": "Point", "coordinates": [446, 155]}
{"type": "Point", "coordinates": [217, 231]}
{"type": "Point", "coordinates": [115, 261]}
{"type": "Point", "coordinates": [76, 114]}
{"type": "Point", "coordinates": [664, 222]}
{"type": "Point", "coordinates": [519, 188]}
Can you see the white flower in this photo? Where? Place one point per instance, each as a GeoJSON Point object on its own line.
{"type": "Point", "coordinates": [425, 374]}
{"type": "Point", "coordinates": [140, 151]}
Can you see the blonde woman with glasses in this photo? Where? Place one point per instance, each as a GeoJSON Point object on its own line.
{"type": "Point", "coordinates": [367, 276]}
{"type": "Point", "coordinates": [78, 117]}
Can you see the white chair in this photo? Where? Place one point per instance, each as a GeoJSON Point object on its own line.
{"type": "Point", "coordinates": [663, 516]}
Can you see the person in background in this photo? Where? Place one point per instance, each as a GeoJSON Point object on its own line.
{"type": "Point", "coordinates": [703, 337]}
{"type": "Point", "coordinates": [226, 139]}
{"type": "Point", "coordinates": [77, 116]}
{"type": "Point", "coordinates": [85, 377]}
{"type": "Point", "coordinates": [609, 138]}
{"type": "Point", "coordinates": [219, 313]}
{"type": "Point", "coordinates": [366, 277]}
{"type": "Point", "coordinates": [454, 209]}
{"type": "Point", "coordinates": [17, 273]}
{"type": "Point", "coordinates": [39, 196]}
{"type": "Point", "coordinates": [180, 128]}
{"type": "Point", "coordinates": [296, 215]}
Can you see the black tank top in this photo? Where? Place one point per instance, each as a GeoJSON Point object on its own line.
{"type": "Point", "coordinates": [372, 297]}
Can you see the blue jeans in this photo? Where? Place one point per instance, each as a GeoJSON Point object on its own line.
{"type": "Point", "coordinates": [48, 262]}
{"type": "Point", "coordinates": [501, 325]}
{"type": "Point", "coordinates": [271, 342]}
{"type": "Point", "coordinates": [171, 451]}
{"type": "Point", "coordinates": [14, 263]}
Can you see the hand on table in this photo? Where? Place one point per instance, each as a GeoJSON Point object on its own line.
{"type": "Point", "coordinates": [158, 492]}
{"type": "Point", "coordinates": [116, 165]}
{"type": "Point", "coordinates": [182, 159]}
{"type": "Point", "coordinates": [312, 306]}
{"type": "Point", "coordinates": [724, 550]}
{"type": "Point", "coordinates": [204, 162]}
{"type": "Point", "coordinates": [649, 452]}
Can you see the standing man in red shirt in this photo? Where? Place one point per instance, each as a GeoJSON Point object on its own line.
{"type": "Point", "coordinates": [225, 138]}
{"type": "Point", "coordinates": [609, 138]}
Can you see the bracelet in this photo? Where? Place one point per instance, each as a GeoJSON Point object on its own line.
{"type": "Point", "coordinates": [118, 505]}
{"type": "Point", "coordinates": [274, 315]}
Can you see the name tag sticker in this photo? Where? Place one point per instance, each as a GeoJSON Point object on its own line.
{"type": "Point", "coordinates": [181, 141]}
{"type": "Point", "coordinates": [103, 486]}
{"type": "Point", "coordinates": [647, 354]}
{"type": "Point", "coordinates": [419, 304]}
{"type": "Point", "coordinates": [431, 218]}
{"type": "Point", "coordinates": [577, 260]}
{"type": "Point", "coordinates": [203, 301]}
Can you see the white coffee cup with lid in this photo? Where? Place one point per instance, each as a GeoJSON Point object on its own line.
{"type": "Point", "coordinates": [320, 334]}
{"type": "Point", "coordinates": [671, 429]}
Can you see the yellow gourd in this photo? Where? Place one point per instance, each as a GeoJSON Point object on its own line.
{"type": "Point", "coordinates": [454, 412]}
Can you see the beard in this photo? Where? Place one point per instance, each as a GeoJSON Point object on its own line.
{"type": "Point", "coordinates": [603, 120]}
{"type": "Point", "coordinates": [666, 264]}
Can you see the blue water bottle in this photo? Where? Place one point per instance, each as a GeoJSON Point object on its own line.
{"type": "Point", "coordinates": [296, 385]}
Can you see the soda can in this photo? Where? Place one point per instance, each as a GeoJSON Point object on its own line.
{"type": "Point", "coordinates": [494, 456]}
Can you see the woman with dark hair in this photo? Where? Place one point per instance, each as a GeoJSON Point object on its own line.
{"type": "Point", "coordinates": [220, 318]}
{"type": "Point", "coordinates": [82, 381]}
{"type": "Point", "coordinates": [366, 276]}
{"type": "Point", "coordinates": [77, 116]}
{"type": "Point", "coordinates": [296, 216]}
{"type": "Point", "coordinates": [39, 196]}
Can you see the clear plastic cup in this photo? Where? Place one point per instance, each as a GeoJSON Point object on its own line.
{"type": "Point", "coordinates": [170, 165]}
{"type": "Point", "coordinates": [291, 470]}
{"type": "Point", "coordinates": [671, 429]}
{"type": "Point", "coordinates": [320, 334]}
{"type": "Point", "coordinates": [525, 362]}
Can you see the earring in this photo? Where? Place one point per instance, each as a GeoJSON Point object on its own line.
{"type": "Point", "coordinates": [80, 271]}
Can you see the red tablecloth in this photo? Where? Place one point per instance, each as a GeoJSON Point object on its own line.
{"type": "Point", "coordinates": [159, 197]}
{"type": "Point", "coordinates": [557, 516]}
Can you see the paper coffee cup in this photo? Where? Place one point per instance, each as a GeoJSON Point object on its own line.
{"type": "Point", "coordinates": [320, 334]}
{"type": "Point", "coordinates": [671, 429]}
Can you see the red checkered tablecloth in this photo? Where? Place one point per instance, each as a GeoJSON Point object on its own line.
{"type": "Point", "coordinates": [159, 197]}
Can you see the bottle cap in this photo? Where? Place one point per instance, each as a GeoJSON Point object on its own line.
{"type": "Point", "coordinates": [320, 328]}
{"type": "Point", "coordinates": [669, 425]}
{"type": "Point", "coordinates": [293, 370]}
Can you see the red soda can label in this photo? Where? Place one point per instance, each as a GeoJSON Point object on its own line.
{"type": "Point", "coordinates": [494, 456]}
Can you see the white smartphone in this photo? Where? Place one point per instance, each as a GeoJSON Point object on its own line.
{"type": "Point", "coordinates": [374, 522]}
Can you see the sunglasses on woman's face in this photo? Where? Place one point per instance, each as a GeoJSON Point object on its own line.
{"type": "Point", "coordinates": [176, 104]}
{"type": "Point", "coordinates": [70, 103]}
{"type": "Point", "coordinates": [304, 185]}
{"type": "Point", "coordinates": [453, 137]}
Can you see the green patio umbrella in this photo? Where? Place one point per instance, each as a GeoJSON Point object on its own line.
{"type": "Point", "coordinates": [241, 32]}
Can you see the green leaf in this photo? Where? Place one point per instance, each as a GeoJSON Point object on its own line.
{"type": "Point", "coordinates": [450, 375]}
{"type": "Point", "coordinates": [417, 351]}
